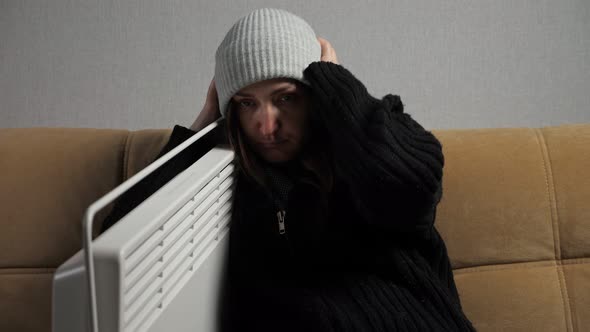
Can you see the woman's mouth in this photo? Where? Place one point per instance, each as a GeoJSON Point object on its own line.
{"type": "Point", "coordinates": [272, 145]}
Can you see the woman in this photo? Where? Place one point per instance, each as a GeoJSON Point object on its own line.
{"type": "Point", "coordinates": [334, 210]}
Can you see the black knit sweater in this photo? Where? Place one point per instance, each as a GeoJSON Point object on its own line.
{"type": "Point", "coordinates": [373, 261]}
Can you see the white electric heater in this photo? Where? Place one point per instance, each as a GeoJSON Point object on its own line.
{"type": "Point", "coordinates": [159, 268]}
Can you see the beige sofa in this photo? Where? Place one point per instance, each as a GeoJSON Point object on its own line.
{"type": "Point", "coordinates": [515, 216]}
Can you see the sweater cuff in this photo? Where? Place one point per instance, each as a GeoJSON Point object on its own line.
{"type": "Point", "coordinates": [179, 134]}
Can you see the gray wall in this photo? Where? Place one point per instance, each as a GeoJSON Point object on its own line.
{"type": "Point", "coordinates": [147, 63]}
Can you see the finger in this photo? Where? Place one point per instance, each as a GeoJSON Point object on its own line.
{"type": "Point", "coordinates": [212, 91]}
{"type": "Point", "coordinates": [328, 52]}
{"type": "Point", "coordinates": [212, 88]}
{"type": "Point", "coordinates": [211, 101]}
{"type": "Point", "coordinates": [331, 52]}
{"type": "Point", "coordinates": [323, 47]}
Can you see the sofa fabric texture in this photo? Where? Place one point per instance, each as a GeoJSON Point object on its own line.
{"type": "Point", "coordinates": [515, 217]}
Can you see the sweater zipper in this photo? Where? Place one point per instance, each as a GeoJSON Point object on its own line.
{"type": "Point", "coordinates": [281, 219]}
{"type": "Point", "coordinates": [281, 213]}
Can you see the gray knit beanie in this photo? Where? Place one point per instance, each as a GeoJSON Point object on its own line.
{"type": "Point", "coordinates": [267, 43]}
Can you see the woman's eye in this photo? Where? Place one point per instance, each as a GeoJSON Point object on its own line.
{"type": "Point", "coordinates": [246, 103]}
{"type": "Point", "coordinates": [286, 98]}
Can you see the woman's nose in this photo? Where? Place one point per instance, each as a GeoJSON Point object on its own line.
{"type": "Point", "coordinates": [269, 121]}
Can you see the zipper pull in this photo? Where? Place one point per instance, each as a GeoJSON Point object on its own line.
{"type": "Point", "coordinates": [281, 218]}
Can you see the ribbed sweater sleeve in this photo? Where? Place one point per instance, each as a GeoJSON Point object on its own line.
{"type": "Point", "coordinates": [390, 163]}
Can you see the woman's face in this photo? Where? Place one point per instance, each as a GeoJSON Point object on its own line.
{"type": "Point", "coordinates": [273, 115]}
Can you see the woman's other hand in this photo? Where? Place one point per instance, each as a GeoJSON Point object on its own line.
{"type": "Point", "coordinates": [210, 111]}
{"type": "Point", "coordinates": [328, 52]}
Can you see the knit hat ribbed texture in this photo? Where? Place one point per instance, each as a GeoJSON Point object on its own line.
{"type": "Point", "coordinates": [267, 43]}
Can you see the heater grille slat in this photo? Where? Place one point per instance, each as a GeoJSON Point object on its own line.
{"type": "Point", "coordinates": [153, 268]}
{"type": "Point", "coordinates": [193, 230]}
{"type": "Point", "coordinates": [184, 277]}
{"type": "Point", "coordinates": [157, 250]}
{"type": "Point", "coordinates": [163, 290]}
{"type": "Point", "coordinates": [136, 255]}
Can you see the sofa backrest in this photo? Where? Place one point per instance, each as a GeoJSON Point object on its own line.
{"type": "Point", "coordinates": [49, 177]}
{"type": "Point", "coordinates": [514, 215]}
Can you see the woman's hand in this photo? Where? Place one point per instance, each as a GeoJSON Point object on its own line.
{"type": "Point", "coordinates": [210, 111]}
{"type": "Point", "coordinates": [328, 52]}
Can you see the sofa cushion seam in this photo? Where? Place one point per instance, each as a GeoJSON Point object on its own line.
{"type": "Point", "coordinates": [126, 153]}
{"type": "Point", "coordinates": [521, 265]}
{"type": "Point", "coordinates": [550, 185]}
{"type": "Point", "coordinates": [26, 271]}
